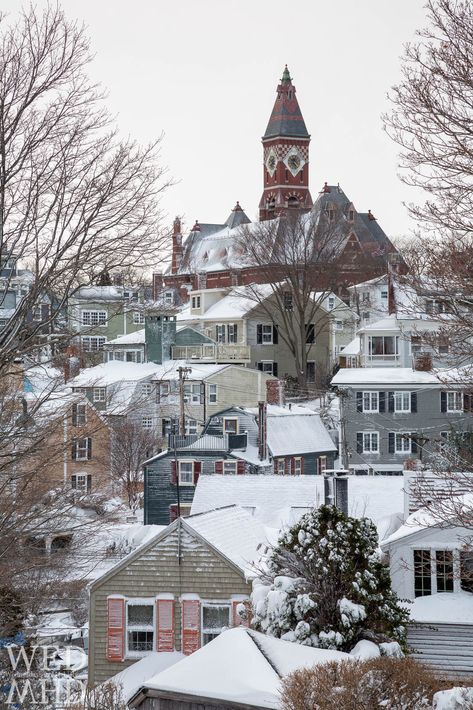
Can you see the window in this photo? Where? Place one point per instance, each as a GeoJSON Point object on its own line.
{"type": "Point", "coordinates": [310, 371]}
{"type": "Point", "coordinates": [384, 294]}
{"type": "Point", "coordinates": [146, 389]}
{"type": "Point", "coordinates": [266, 366]}
{"type": "Point", "coordinates": [133, 355]}
{"type": "Point", "coordinates": [230, 467]}
{"type": "Point", "coordinates": [82, 449]}
{"type": "Point", "coordinates": [370, 442]}
{"type": "Point", "coordinates": [163, 390]}
{"type": "Point", "coordinates": [402, 402]}
{"type": "Point", "coordinates": [165, 427]}
{"type": "Point", "coordinates": [79, 414]}
{"type": "Point", "coordinates": [99, 394]}
{"type": "Point", "coordinates": [186, 473]}
{"type": "Point", "coordinates": [220, 333]}
{"type": "Point", "coordinates": [94, 318]}
{"type": "Point", "coordinates": [466, 570]}
{"type": "Point", "coordinates": [230, 426]}
{"type": "Point", "coordinates": [192, 392]}
{"type": "Point", "coordinates": [138, 317]}
{"type": "Point", "coordinates": [444, 567]}
{"type": "Point", "coordinates": [139, 627]}
{"type": "Point", "coordinates": [454, 402]}
{"type": "Point", "coordinates": [212, 394]}
{"type": "Point", "coordinates": [310, 333]}
{"type": "Point", "coordinates": [297, 466]}
{"type": "Point", "coordinates": [402, 443]}
{"type": "Point", "coordinates": [191, 427]}
{"type": "Point", "coordinates": [61, 543]}
{"type": "Point", "coordinates": [280, 466]}
{"type": "Point", "coordinates": [81, 482]}
{"type": "Point", "coordinates": [147, 422]}
{"type": "Point", "coordinates": [287, 300]}
{"type": "Point", "coordinates": [331, 214]}
{"type": "Point", "coordinates": [422, 573]}
{"type": "Point", "coordinates": [169, 298]}
{"type": "Point", "coordinates": [92, 343]}
{"type": "Point", "coordinates": [351, 215]}
{"type": "Point", "coordinates": [232, 333]}
{"type": "Point", "coordinates": [37, 313]}
{"type": "Point", "coordinates": [322, 464]}
{"type": "Point", "coordinates": [331, 303]}
{"type": "Point", "coordinates": [215, 618]}
{"type": "Point", "coordinates": [338, 325]}
{"type": "Point", "coordinates": [266, 334]}
{"type": "Point", "coordinates": [382, 345]}
{"type": "Point", "coordinates": [370, 401]}
{"type": "Point", "coordinates": [195, 301]}
{"type": "Point", "coordinates": [366, 316]}
{"type": "Point", "coordinates": [116, 355]}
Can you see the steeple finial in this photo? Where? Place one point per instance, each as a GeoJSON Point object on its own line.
{"type": "Point", "coordinates": [286, 75]}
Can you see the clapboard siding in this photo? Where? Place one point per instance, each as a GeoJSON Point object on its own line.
{"type": "Point", "coordinates": [447, 648]}
{"type": "Point", "coordinates": [175, 704]}
{"type": "Point", "coordinates": [201, 571]}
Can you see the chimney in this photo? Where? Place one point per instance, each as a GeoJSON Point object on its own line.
{"type": "Point", "coordinates": [160, 336]}
{"type": "Point", "coordinates": [275, 392]}
{"type": "Point", "coordinates": [336, 491]}
{"type": "Point", "coordinates": [262, 431]}
{"type": "Point", "coordinates": [71, 363]}
{"type": "Point", "coordinates": [176, 246]}
{"type": "Point", "coordinates": [371, 216]}
{"type": "Point", "coordinates": [157, 284]}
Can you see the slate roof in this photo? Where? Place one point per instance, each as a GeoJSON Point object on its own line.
{"type": "Point", "coordinates": [286, 117]}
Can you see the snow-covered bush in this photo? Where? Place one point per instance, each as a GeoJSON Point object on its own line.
{"type": "Point", "coordinates": [381, 683]}
{"type": "Point", "coordinates": [325, 585]}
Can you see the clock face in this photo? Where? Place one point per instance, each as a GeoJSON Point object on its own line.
{"type": "Point", "coordinates": [294, 162]}
{"type": "Point", "coordinates": [271, 163]}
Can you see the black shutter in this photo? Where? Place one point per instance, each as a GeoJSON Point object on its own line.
{"type": "Point", "coordinates": [275, 369]}
{"type": "Point", "coordinates": [259, 365]}
{"type": "Point", "coordinates": [382, 401]}
{"type": "Point", "coordinates": [414, 402]}
{"type": "Point", "coordinates": [89, 448]}
{"type": "Point", "coordinates": [359, 401]}
{"type": "Point", "coordinates": [391, 401]}
{"type": "Point", "coordinates": [235, 333]}
{"type": "Point", "coordinates": [73, 451]}
{"type": "Point", "coordinates": [74, 415]}
{"type": "Point", "coordinates": [89, 483]}
{"type": "Point", "coordinates": [275, 335]}
{"type": "Point", "coordinates": [466, 403]}
{"type": "Point", "coordinates": [202, 392]}
{"type": "Point", "coordinates": [391, 442]}
{"type": "Point", "coordinates": [414, 446]}
{"type": "Point", "coordinates": [443, 401]}
{"type": "Point", "coordinates": [73, 482]}
{"type": "Point", "coordinates": [359, 443]}
{"type": "Point", "coordinates": [259, 333]}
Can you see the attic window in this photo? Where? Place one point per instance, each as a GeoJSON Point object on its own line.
{"type": "Point", "coordinates": [331, 214]}
{"type": "Point", "coordinates": [351, 215]}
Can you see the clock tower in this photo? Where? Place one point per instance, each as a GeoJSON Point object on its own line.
{"type": "Point", "coordinates": [285, 155]}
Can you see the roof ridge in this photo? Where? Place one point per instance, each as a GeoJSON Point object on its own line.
{"type": "Point", "coordinates": [264, 653]}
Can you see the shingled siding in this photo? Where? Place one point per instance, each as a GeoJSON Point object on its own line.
{"type": "Point", "coordinates": [157, 571]}
{"type": "Point", "coordinates": [161, 493]}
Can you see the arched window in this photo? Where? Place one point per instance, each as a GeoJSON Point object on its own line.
{"type": "Point", "coordinates": [293, 202]}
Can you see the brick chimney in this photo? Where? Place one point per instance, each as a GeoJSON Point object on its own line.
{"type": "Point", "coordinates": [157, 284]}
{"type": "Point", "coordinates": [275, 392]}
{"type": "Point", "coordinates": [262, 431]}
{"type": "Point", "coordinates": [176, 246]}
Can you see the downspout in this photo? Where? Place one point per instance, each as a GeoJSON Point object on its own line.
{"type": "Point", "coordinates": [65, 449]}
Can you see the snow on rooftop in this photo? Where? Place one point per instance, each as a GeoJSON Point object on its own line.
{"type": "Point", "coordinates": [239, 666]}
{"type": "Point", "coordinates": [383, 375]}
{"type": "Point", "coordinates": [277, 501]}
{"type": "Point", "coordinates": [115, 371]}
{"type": "Point", "coordinates": [388, 323]}
{"type": "Point", "coordinates": [353, 347]}
{"type": "Point", "coordinates": [233, 531]}
{"type": "Point", "coordinates": [136, 338]}
{"type": "Point", "coordinates": [130, 680]}
{"type": "Point", "coordinates": [295, 433]}
{"type": "Point", "coordinates": [446, 607]}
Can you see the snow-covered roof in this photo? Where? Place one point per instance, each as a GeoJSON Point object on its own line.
{"type": "Point", "coordinates": [378, 280]}
{"type": "Point", "coordinates": [353, 347]}
{"type": "Point", "coordinates": [446, 607]}
{"type": "Point", "coordinates": [293, 432]}
{"type": "Point", "coordinates": [384, 324]}
{"type": "Point", "coordinates": [281, 500]}
{"type": "Point", "coordinates": [239, 666]}
{"type": "Point", "coordinates": [136, 338]}
{"type": "Point", "coordinates": [99, 292]}
{"type": "Point", "coordinates": [130, 680]}
{"type": "Point", "coordinates": [384, 376]}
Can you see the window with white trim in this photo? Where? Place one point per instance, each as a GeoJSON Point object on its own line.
{"type": "Point", "coordinates": [370, 442]}
{"type": "Point", "coordinates": [139, 628]}
{"type": "Point", "coordinates": [169, 298]}
{"type": "Point", "coordinates": [267, 366]}
{"type": "Point", "coordinates": [138, 318]}
{"type": "Point", "coordinates": [186, 473]}
{"type": "Point", "coordinates": [215, 618]}
{"type": "Point", "coordinates": [266, 334]}
{"type": "Point", "coordinates": [338, 325]}
{"type": "Point", "coordinates": [192, 392]}
{"type": "Point", "coordinates": [133, 356]}
{"type": "Point", "coordinates": [331, 303]}
{"type": "Point", "coordinates": [297, 465]}
{"type": "Point", "coordinates": [402, 402]}
{"type": "Point", "coordinates": [402, 442]}
{"type": "Point", "coordinates": [230, 467]}
{"type": "Point", "coordinates": [147, 422]}
{"type": "Point", "coordinates": [232, 333]}
{"type": "Point", "coordinates": [454, 401]}
{"type": "Point", "coordinates": [195, 301]}
{"type": "Point", "coordinates": [321, 464]}
{"type": "Point", "coordinates": [230, 425]}
{"type": "Point", "coordinates": [370, 401]}
{"type": "Point", "coordinates": [220, 333]}
{"type": "Point", "coordinates": [81, 448]}
{"type": "Point", "coordinates": [212, 394]}
{"type": "Point", "coordinates": [99, 394]}
{"type": "Point", "coordinates": [92, 318]}
{"type": "Point", "coordinates": [92, 343]}
{"type": "Point", "coordinates": [146, 389]}
{"type": "Point", "coordinates": [81, 482]}
{"type": "Point", "coordinates": [281, 466]}
{"type": "Point", "coordinates": [191, 426]}
{"type": "Point", "coordinates": [79, 415]}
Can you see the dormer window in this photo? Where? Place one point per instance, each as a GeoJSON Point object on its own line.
{"type": "Point", "coordinates": [351, 215]}
{"type": "Point", "coordinates": [195, 301]}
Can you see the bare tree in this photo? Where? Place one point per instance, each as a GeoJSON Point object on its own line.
{"type": "Point", "coordinates": [76, 201]}
{"type": "Point", "coordinates": [296, 258]}
{"type": "Point", "coordinates": [432, 118]}
{"type": "Point", "coordinates": [131, 445]}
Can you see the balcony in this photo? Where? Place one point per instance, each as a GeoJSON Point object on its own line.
{"type": "Point", "coordinates": [212, 352]}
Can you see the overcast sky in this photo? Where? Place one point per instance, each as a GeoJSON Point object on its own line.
{"type": "Point", "coordinates": [204, 72]}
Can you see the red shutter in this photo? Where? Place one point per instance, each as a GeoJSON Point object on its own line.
{"type": "Point", "coordinates": [190, 626]}
{"type": "Point", "coordinates": [197, 471]}
{"type": "Point", "coordinates": [241, 467]}
{"type": "Point", "coordinates": [174, 472]}
{"type": "Point", "coordinates": [302, 464]}
{"type": "Point", "coordinates": [293, 466]}
{"type": "Point", "coordinates": [286, 466]}
{"type": "Point", "coordinates": [115, 629]}
{"type": "Point", "coordinates": [218, 467]}
{"type": "Point", "coordinates": [236, 618]}
{"type": "Point", "coordinates": [165, 625]}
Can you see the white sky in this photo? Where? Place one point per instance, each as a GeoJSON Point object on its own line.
{"type": "Point", "coordinates": [205, 72]}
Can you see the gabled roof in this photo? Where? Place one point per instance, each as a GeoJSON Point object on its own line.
{"type": "Point", "coordinates": [240, 666]}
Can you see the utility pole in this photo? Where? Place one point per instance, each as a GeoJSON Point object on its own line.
{"type": "Point", "coordinates": [183, 371]}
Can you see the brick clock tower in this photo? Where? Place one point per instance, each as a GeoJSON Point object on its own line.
{"type": "Point", "coordinates": [286, 156]}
